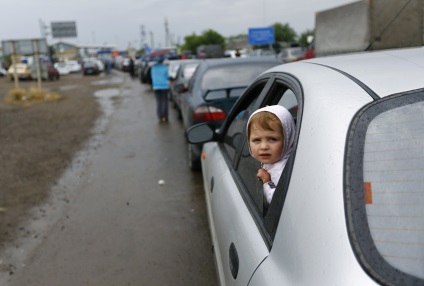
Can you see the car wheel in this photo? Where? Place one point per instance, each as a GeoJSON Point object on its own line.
{"type": "Point", "coordinates": [193, 161]}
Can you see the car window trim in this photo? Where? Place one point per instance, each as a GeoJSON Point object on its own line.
{"type": "Point", "coordinates": [257, 217]}
{"type": "Point", "coordinates": [275, 210]}
{"type": "Point", "coordinates": [267, 225]}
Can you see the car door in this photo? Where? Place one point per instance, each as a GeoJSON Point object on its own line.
{"type": "Point", "coordinates": [238, 245]}
{"type": "Point", "coordinates": [242, 231]}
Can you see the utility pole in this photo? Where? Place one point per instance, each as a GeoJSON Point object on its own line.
{"type": "Point", "coordinates": [43, 29]}
{"type": "Point", "coordinates": [142, 36]}
{"type": "Point", "coordinates": [166, 33]}
{"type": "Point", "coordinates": [151, 40]}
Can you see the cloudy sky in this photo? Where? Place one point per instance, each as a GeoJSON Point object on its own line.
{"type": "Point", "coordinates": [119, 22]}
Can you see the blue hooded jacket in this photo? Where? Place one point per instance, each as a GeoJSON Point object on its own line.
{"type": "Point", "coordinates": [160, 76]}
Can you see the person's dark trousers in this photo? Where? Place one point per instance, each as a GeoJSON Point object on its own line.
{"type": "Point", "coordinates": [162, 103]}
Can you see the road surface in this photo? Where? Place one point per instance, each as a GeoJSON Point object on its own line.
{"type": "Point", "coordinates": [119, 226]}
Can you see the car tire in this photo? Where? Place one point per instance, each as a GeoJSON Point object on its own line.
{"type": "Point", "coordinates": [193, 161]}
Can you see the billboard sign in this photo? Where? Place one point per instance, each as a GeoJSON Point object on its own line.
{"type": "Point", "coordinates": [261, 36]}
{"type": "Point", "coordinates": [64, 29]}
{"type": "Point", "coordinates": [26, 47]}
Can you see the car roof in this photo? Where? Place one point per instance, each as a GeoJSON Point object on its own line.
{"type": "Point", "coordinates": [383, 72]}
{"type": "Point", "coordinates": [230, 61]}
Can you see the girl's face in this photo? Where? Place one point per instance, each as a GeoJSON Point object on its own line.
{"type": "Point", "coordinates": [266, 145]}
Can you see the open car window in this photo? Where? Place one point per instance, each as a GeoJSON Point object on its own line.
{"type": "Point", "coordinates": [283, 94]}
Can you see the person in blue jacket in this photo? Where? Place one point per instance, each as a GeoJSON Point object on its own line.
{"type": "Point", "coordinates": [160, 86]}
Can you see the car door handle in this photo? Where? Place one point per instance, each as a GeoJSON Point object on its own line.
{"type": "Point", "coordinates": [212, 184]}
{"type": "Point", "coordinates": [234, 261]}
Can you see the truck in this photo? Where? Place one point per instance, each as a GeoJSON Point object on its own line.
{"type": "Point", "coordinates": [368, 25]}
{"type": "Point", "coordinates": [209, 51]}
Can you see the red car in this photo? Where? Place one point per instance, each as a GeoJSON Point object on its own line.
{"type": "Point", "coordinates": [52, 72]}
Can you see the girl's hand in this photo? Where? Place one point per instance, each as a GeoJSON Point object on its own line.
{"type": "Point", "coordinates": [263, 176]}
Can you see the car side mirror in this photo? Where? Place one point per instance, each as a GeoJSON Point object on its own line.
{"type": "Point", "coordinates": [183, 88]}
{"type": "Point", "coordinates": [201, 133]}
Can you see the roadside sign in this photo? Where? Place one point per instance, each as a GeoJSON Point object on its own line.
{"type": "Point", "coordinates": [26, 47]}
{"type": "Point", "coordinates": [64, 29]}
{"type": "Point", "coordinates": [261, 36]}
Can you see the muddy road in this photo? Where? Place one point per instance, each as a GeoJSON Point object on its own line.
{"type": "Point", "coordinates": [106, 219]}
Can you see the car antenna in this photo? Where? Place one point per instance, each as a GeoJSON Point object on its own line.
{"type": "Point", "coordinates": [388, 25]}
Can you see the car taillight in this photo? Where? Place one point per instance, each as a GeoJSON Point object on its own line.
{"type": "Point", "coordinates": [208, 113]}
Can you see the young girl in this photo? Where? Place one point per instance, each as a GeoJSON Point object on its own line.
{"type": "Point", "coordinates": [270, 134]}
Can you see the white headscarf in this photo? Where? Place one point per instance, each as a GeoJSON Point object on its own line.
{"type": "Point", "coordinates": [288, 126]}
{"type": "Point", "coordinates": [289, 129]}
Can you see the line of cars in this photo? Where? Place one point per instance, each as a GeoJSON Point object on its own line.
{"type": "Point", "coordinates": [51, 71]}
{"type": "Point", "coordinates": [28, 72]}
{"type": "Point", "coordinates": [88, 66]}
{"type": "Point", "coordinates": [349, 207]}
{"type": "Point", "coordinates": [204, 90]}
{"type": "Point", "coordinates": [68, 67]}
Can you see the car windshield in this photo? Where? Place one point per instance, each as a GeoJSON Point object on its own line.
{"type": "Point", "coordinates": [89, 64]}
{"type": "Point", "coordinates": [297, 52]}
{"type": "Point", "coordinates": [233, 75]}
{"type": "Point", "coordinates": [188, 70]}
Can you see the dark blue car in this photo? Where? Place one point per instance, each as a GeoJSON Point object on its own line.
{"type": "Point", "coordinates": [213, 90]}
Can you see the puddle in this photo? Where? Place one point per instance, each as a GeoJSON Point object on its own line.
{"type": "Point", "coordinates": [105, 99]}
{"type": "Point", "coordinates": [68, 87]}
{"type": "Point", "coordinates": [111, 80]}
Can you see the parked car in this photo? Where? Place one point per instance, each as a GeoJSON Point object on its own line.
{"type": "Point", "coordinates": [125, 65]}
{"type": "Point", "coordinates": [73, 66]}
{"type": "Point", "coordinates": [348, 209]}
{"type": "Point", "coordinates": [213, 89]}
{"type": "Point", "coordinates": [52, 72]}
{"type": "Point", "coordinates": [293, 54]}
{"type": "Point", "coordinates": [23, 71]}
{"type": "Point", "coordinates": [145, 66]}
{"type": "Point", "coordinates": [151, 59]}
{"type": "Point", "coordinates": [3, 72]}
{"type": "Point", "coordinates": [262, 53]}
{"type": "Point", "coordinates": [174, 65]}
{"type": "Point", "coordinates": [90, 68]}
{"type": "Point", "coordinates": [62, 68]}
{"type": "Point", "coordinates": [179, 82]}
{"type": "Point", "coordinates": [97, 62]}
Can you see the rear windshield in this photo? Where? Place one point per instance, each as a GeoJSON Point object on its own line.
{"type": "Point", "coordinates": [298, 52]}
{"type": "Point", "coordinates": [385, 189]}
{"type": "Point", "coordinates": [233, 75]}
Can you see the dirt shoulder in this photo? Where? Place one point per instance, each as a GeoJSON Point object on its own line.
{"type": "Point", "coordinates": [38, 141]}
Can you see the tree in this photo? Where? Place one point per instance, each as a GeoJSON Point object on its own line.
{"type": "Point", "coordinates": [208, 37]}
{"type": "Point", "coordinates": [303, 39]}
{"type": "Point", "coordinates": [191, 42]}
{"type": "Point", "coordinates": [283, 33]}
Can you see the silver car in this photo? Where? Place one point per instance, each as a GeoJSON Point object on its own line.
{"type": "Point", "coordinates": [349, 207]}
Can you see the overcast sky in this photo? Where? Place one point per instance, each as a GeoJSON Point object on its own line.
{"type": "Point", "coordinates": [119, 22]}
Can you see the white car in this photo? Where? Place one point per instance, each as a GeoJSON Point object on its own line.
{"type": "Point", "coordinates": [73, 66]}
{"type": "Point", "coordinates": [98, 62]}
{"type": "Point", "coordinates": [62, 68]}
{"type": "Point", "coordinates": [349, 207]}
{"type": "Point", "coordinates": [292, 54]}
